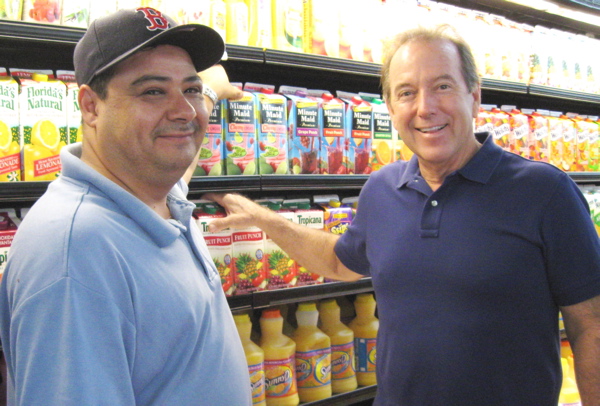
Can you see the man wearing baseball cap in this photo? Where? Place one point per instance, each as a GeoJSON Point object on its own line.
{"type": "Point", "coordinates": [110, 296]}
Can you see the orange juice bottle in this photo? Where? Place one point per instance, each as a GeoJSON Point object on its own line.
{"type": "Point", "coordinates": [255, 357]}
{"type": "Point", "coordinates": [343, 375]}
{"type": "Point", "coordinates": [569, 394]}
{"type": "Point", "coordinates": [313, 355]}
{"type": "Point", "coordinates": [365, 326]}
{"type": "Point", "coordinates": [280, 368]}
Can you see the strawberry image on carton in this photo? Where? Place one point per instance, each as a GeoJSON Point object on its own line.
{"type": "Point", "coordinates": [272, 129]}
{"type": "Point", "coordinates": [359, 122]}
{"type": "Point", "coordinates": [240, 135]}
{"type": "Point", "coordinates": [303, 130]}
{"type": "Point", "coordinates": [210, 160]}
{"type": "Point", "coordinates": [10, 147]}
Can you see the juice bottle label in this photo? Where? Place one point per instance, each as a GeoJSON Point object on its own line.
{"type": "Point", "coordinates": [342, 361]}
{"type": "Point", "coordinates": [240, 138]}
{"type": "Point", "coordinates": [10, 149]}
{"type": "Point", "coordinates": [210, 161]}
{"type": "Point", "coordinates": [272, 135]}
{"type": "Point", "coordinates": [366, 353]}
{"type": "Point", "coordinates": [280, 378]}
{"type": "Point", "coordinates": [333, 142]}
{"type": "Point", "coordinates": [257, 382]}
{"type": "Point", "coordinates": [313, 368]}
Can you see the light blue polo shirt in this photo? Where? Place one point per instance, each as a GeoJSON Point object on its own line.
{"type": "Point", "coordinates": [103, 302]}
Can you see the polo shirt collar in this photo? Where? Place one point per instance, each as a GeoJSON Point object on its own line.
{"type": "Point", "coordinates": [162, 232]}
{"type": "Point", "coordinates": [479, 169]}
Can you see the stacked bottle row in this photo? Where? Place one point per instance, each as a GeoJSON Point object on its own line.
{"type": "Point", "coordinates": [248, 260]}
{"type": "Point", "coordinates": [569, 141]}
{"type": "Point", "coordinates": [314, 359]}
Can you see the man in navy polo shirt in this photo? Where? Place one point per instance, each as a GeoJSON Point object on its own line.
{"type": "Point", "coordinates": [472, 250]}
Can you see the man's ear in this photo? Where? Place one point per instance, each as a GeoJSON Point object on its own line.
{"type": "Point", "coordinates": [88, 104]}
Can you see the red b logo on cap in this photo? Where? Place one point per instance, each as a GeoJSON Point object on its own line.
{"type": "Point", "coordinates": [157, 21]}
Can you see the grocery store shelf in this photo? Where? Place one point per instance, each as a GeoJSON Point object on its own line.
{"type": "Point", "coordinates": [322, 63]}
{"type": "Point", "coordinates": [547, 91]}
{"type": "Point", "coordinates": [503, 86]}
{"type": "Point", "coordinates": [274, 183]}
{"type": "Point", "coordinates": [347, 399]}
{"type": "Point", "coordinates": [20, 30]}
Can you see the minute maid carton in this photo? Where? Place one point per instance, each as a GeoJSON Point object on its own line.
{"type": "Point", "coordinates": [43, 123]}
{"type": "Point", "coordinates": [211, 158]}
{"type": "Point", "coordinates": [240, 135]}
{"type": "Point", "coordinates": [73, 111]}
{"type": "Point", "coordinates": [10, 148]}
{"type": "Point", "coordinates": [359, 122]}
{"type": "Point", "coordinates": [303, 130]}
{"type": "Point", "coordinates": [383, 144]}
{"type": "Point", "coordinates": [272, 129]}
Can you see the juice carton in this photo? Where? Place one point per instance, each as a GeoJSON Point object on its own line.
{"type": "Point", "coordinates": [332, 158]}
{"type": "Point", "coordinates": [539, 134]}
{"type": "Point", "coordinates": [322, 27]}
{"type": "Point", "coordinates": [555, 125]}
{"type": "Point", "coordinates": [519, 142]}
{"type": "Point", "coordinates": [303, 130]}
{"type": "Point", "coordinates": [248, 260]}
{"type": "Point", "coordinates": [237, 22]}
{"type": "Point", "coordinates": [102, 8]}
{"type": "Point", "coordinates": [502, 131]}
{"type": "Point", "coordinates": [220, 245]}
{"type": "Point", "coordinates": [594, 162]}
{"type": "Point", "coordinates": [288, 25]}
{"type": "Point", "coordinates": [74, 131]}
{"type": "Point", "coordinates": [43, 124]}
{"type": "Point", "coordinates": [382, 132]}
{"type": "Point", "coordinates": [42, 11]}
{"type": "Point", "coordinates": [10, 147]}
{"type": "Point", "coordinates": [359, 122]}
{"type": "Point", "coordinates": [8, 229]}
{"type": "Point", "coordinates": [11, 9]}
{"type": "Point", "coordinates": [260, 28]}
{"type": "Point", "coordinates": [336, 218]}
{"type": "Point", "coordinates": [569, 158]}
{"type": "Point", "coordinates": [75, 13]}
{"type": "Point", "coordinates": [240, 135]}
{"type": "Point", "coordinates": [281, 269]}
{"type": "Point", "coordinates": [211, 160]}
{"type": "Point", "coordinates": [582, 143]}
{"type": "Point", "coordinates": [272, 129]}
{"type": "Point", "coordinates": [352, 203]}
{"type": "Point", "coordinates": [309, 216]}
{"type": "Point", "coordinates": [484, 122]}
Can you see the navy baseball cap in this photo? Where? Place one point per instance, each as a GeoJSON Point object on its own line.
{"type": "Point", "coordinates": [113, 38]}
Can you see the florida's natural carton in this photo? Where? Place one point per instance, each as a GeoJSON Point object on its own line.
{"type": "Point", "coordinates": [10, 148]}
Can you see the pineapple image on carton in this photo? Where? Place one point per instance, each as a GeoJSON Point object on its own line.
{"type": "Point", "coordinates": [248, 260]}
{"type": "Point", "coordinates": [43, 124]}
{"type": "Point", "coordinates": [73, 111]}
{"type": "Point", "coordinates": [240, 136]}
{"type": "Point", "coordinates": [211, 160]}
{"type": "Point", "coordinates": [10, 148]}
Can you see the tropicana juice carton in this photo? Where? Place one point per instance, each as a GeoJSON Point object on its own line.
{"type": "Point", "coordinates": [303, 130]}
{"type": "Point", "coordinates": [272, 129]}
{"type": "Point", "coordinates": [74, 131]}
{"type": "Point", "coordinates": [10, 148]}
{"type": "Point", "coordinates": [248, 260]}
{"type": "Point", "coordinates": [539, 134]}
{"type": "Point", "coordinates": [240, 135]}
{"type": "Point", "coordinates": [211, 159]}
{"type": "Point", "coordinates": [519, 142]}
{"type": "Point", "coordinates": [43, 123]}
{"type": "Point", "coordinates": [8, 229]}
{"type": "Point", "coordinates": [569, 158]}
{"type": "Point", "coordinates": [359, 122]}
{"type": "Point", "coordinates": [310, 216]}
{"type": "Point", "coordinates": [555, 125]}
{"type": "Point", "coordinates": [334, 143]}
{"type": "Point", "coordinates": [382, 151]}
{"type": "Point", "coordinates": [220, 244]}
{"type": "Point", "coordinates": [594, 162]}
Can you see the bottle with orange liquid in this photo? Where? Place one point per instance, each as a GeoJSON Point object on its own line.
{"type": "Point", "coordinates": [255, 357]}
{"type": "Point", "coordinates": [280, 368]}
{"type": "Point", "coordinates": [313, 355]}
{"type": "Point", "coordinates": [365, 326]}
{"type": "Point", "coordinates": [343, 375]}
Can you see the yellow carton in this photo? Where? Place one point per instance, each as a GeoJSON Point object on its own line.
{"type": "Point", "coordinates": [73, 110]}
{"type": "Point", "coordinates": [10, 148]}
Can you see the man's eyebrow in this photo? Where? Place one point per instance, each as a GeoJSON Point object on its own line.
{"type": "Point", "coordinates": [158, 78]}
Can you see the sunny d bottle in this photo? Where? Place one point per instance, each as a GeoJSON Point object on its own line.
{"type": "Point", "coordinates": [365, 326]}
{"type": "Point", "coordinates": [280, 371]}
{"type": "Point", "coordinates": [313, 355]}
{"type": "Point", "coordinates": [569, 394]}
{"type": "Point", "coordinates": [343, 375]}
{"type": "Point", "coordinates": [255, 357]}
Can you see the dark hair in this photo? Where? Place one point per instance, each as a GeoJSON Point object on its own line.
{"type": "Point", "coordinates": [100, 83]}
{"type": "Point", "coordinates": [429, 34]}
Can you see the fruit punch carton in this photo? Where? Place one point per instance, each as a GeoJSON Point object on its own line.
{"type": "Point", "coordinates": [73, 111]}
{"type": "Point", "coordinates": [382, 148]}
{"type": "Point", "coordinates": [359, 122]}
{"type": "Point", "coordinates": [303, 130]}
{"type": "Point", "coordinates": [10, 146]}
{"type": "Point", "coordinates": [211, 159]}
{"type": "Point", "coordinates": [248, 260]}
{"type": "Point", "coordinates": [8, 229]}
{"type": "Point", "coordinates": [219, 244]}
{"type": "Point", "coordinates": [240, 135]}
{"type": "Point", "coordinates": [311, 216]}
{"type": "Point", "coordinates": [43, 123]}
{"type": "Point", "coordinates": [281, 269]}
{"type": "Point", "coordinates": [272, 129]}
{"type": "Point", "coordinates": [333, 157]}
